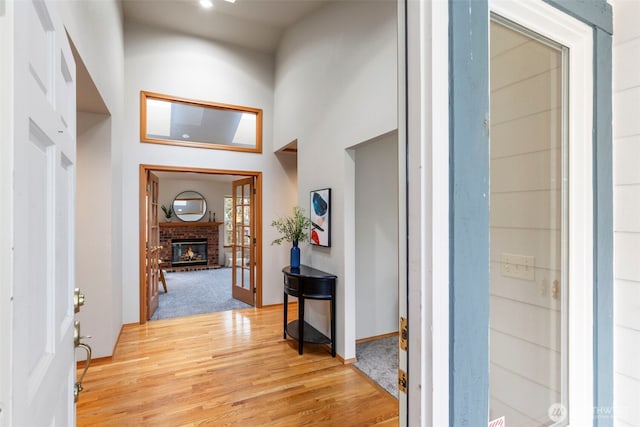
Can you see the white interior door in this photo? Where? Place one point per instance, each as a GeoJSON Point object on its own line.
{"type": "Point", "coordinates": [42, 344]}
{"type": "Point", "coordinates": [6, 215]}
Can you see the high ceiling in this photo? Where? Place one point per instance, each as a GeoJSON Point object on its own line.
{"type": "Point", "coordinates": [255, 24]}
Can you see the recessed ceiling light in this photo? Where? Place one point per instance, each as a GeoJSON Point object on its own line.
{"type": "Point", "coordinates": [207, 4]}
{"type": "Point", "coordinates": [230, 1]}
{"type": "Point", "coordinates": [186, 136]}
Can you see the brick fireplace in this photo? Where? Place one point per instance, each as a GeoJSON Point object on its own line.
{"type": "Point", "coordinates": [189, 252]}
{"type": "Point", "coordinates": [181, 231]}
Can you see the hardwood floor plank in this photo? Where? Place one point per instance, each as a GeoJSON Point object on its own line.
{"type": "Point", "coordinates": [230, 368]}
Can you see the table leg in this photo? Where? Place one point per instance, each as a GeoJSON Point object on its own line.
{"type": "Point", "coordinates": [286, 308]}
{"type": "Point", "coordinates": [333, 324]}
{"type": "Point", "coordinates": [300, 323]}
{"type": "Point", "coordinates": [163, 280]}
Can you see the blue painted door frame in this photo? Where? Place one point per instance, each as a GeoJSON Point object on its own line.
{"type": "Point", "coordinates": [469, 207]}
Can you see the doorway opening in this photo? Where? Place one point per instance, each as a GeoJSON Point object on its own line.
{"type": "Point", "coordinates": [211, 276]}
{"type": "Point", "coordinates": [376, 258]}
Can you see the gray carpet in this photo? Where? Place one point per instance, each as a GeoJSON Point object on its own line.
{"type": "Point", "coordinates": [196, 292]}
{"type": "Point", "coordinates": [378, 360]}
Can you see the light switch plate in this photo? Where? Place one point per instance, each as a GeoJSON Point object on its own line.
{"type": "Point", "coordinates": [517, 266]}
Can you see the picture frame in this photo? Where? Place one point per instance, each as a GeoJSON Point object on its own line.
{"type": "Point", "coordinates": [320, 216]}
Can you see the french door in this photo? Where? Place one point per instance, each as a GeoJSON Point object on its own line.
{"type": "Point", "coordinates": [152, 232]}
{"type": "Point", "coordinates": [244, 241]}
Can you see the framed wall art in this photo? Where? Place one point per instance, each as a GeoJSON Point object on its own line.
{"type": "Point", "coordinates": [320, 215]}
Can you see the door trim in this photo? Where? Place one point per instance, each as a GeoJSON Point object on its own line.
{"type": "Point", "coordinates": [141, 223]}
{"type": "Point", "coordinates": [6, 215]}
{"type": "Point", "coordinates": [469, 213]}
{"type": "Point", "coordinates": [424, 127]}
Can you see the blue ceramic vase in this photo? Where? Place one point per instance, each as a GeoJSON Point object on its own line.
{"type": "Point", "coordinates": [294, 262]}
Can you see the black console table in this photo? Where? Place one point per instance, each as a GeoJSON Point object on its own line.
{"type": "Point", "coordinates": [308, 283]}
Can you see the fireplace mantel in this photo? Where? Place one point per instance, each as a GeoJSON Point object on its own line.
{"type": "Point", "coordinates": [189, 224]}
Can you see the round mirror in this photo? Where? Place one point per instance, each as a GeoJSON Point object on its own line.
{"type": "Point", "coordinates": [189, 206]}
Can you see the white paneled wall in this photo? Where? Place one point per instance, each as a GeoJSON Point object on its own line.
{"type": "Point", "coordinates": [626, 178]}
{"type": "Point", "coordinates": [525, 339]}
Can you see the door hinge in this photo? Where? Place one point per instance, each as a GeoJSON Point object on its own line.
{"type": "Point", "coordinates": [404, 333]}
{"type": "Point", "coordinates": [255, 240]}
{"type": "Point", "coordinates": [255, 290]}
{"type": "Point", "coordinates": [402, 381]}
{"type": "Point", "coordinates": [254, 191]}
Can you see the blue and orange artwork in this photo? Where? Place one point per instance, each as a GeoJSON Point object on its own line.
{"type": "Point", "coordinates": [320, 201]}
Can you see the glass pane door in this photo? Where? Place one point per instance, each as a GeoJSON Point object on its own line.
{"type": "Point", "coordinates": [528, 228]}
{"type": "Point", "coordinates": [243, 275]}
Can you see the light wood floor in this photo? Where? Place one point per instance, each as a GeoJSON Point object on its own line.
{"type": "Point", "coordinates": [230, 368]}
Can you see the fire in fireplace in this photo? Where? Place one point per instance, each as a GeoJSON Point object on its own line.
{"type": "Point", "coordinates": [188, 252]}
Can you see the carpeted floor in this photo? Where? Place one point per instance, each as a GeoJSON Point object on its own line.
{"type": "Point", "coordinates": [378, 360]}
{"type": "Point", "coordinates": [196, 292]}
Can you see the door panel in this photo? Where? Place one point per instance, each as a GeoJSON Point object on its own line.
{"type": "Point", "coordinates": [43, 211]}
{"type": "Point", "coordinates": [153, 244]}
{"type": "Point", "coordinates": [540, 216]}
{"type": "Point", "coordinates": [243, 247]}
{"type": "Point", "coordinates": [528, 226]}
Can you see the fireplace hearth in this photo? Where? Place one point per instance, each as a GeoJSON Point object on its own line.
{"type": "Point", "coordinates": [188, 252]}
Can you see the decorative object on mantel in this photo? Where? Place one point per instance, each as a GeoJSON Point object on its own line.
{"type": "Point", "coordinates": [190, 206]}
{"type": "Point", "coordinates": [168, 212]}
{"type": "Point", "coordinates": [320, 217]}
{"type": "Point", "coordinates": [294, 229]}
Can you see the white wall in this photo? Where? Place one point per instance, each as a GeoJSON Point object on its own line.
{"type": "Point", "coordinates": [213, 193]}
{"type": "Point", "coordinates": [93, 231]}
{"type": "Point", "coordinates": [96, 30]}
{"type": "Point", "coordinates": [376, 211]}
{"type": "Point", "coordinates": [335, 87]}
{"type": "Point", "coordinates": [626, 178]}
{"type": "Point", "coordinates": [525, 220]}
{"type": "Point", "coordinates": [190, 67]}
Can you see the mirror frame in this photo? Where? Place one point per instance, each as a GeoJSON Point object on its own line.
{"type": "Point", "coordinates": [144, 95]}
{"type": "Point", "coordinates": [204, 211]}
